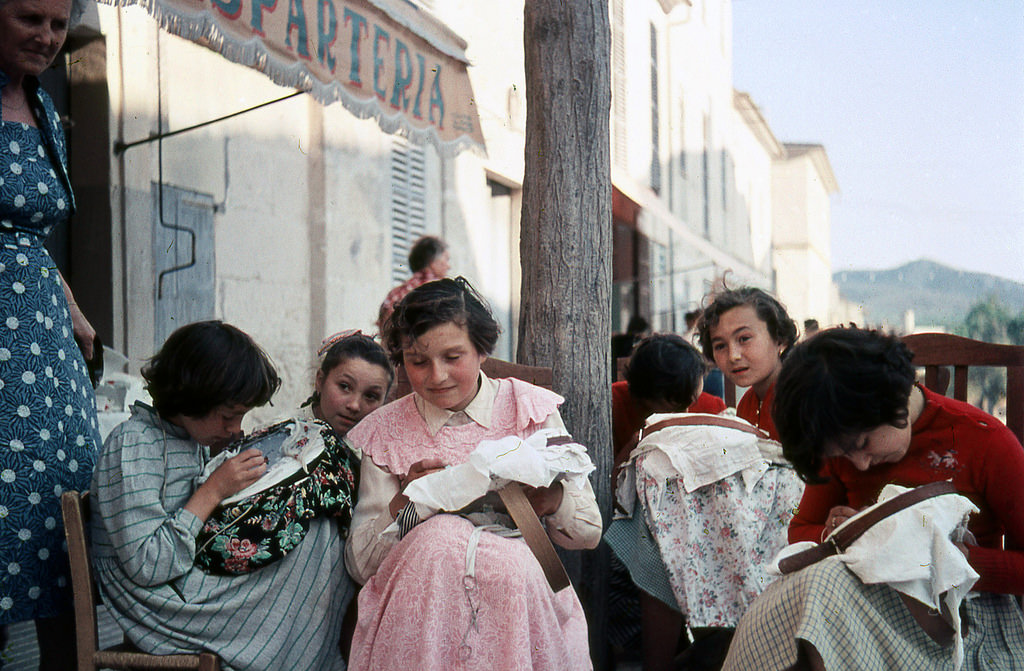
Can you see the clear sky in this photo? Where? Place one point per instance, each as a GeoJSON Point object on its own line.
{"type": "Point", "coordinates": [920, 107]}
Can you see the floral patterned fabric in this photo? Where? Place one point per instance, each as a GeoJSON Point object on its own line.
{"type": "Point", "coordinates": [285, 616]}
{"type": "Point", "coordinates": [261, 529]}
{"type": "Point", "coordinates": [718, 541]}
{"type": "Point", "coordinates": [419, 610]}
{"type": "Point", "coordinates": [48, 429]}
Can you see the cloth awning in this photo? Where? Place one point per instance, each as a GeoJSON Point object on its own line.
{"type": "Point", "coordinates": [385, 59]}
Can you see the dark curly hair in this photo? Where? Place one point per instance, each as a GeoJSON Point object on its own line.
{"type": "Point", "coordinates": [781, 327]}
{"type": "Point", "coordinates": [836, 386]}
{"type": "Point", "coordinates": [436, 303]}
{"type": "Point", "coordinates": [208, 364]}
{"type": "Point", "coordinates": [664, 367]}
{"type": "Point", "coordinates": [356, 345]}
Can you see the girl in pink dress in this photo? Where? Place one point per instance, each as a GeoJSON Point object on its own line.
{"type": "Point", "coordinates": [438, 593]}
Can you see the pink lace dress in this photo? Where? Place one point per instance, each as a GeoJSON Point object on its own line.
{"type": "Point", "coordinates": [419, 610]}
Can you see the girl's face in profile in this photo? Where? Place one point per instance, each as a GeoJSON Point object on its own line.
{"type": "Point", "coordinates": [217, 428]}
{"type": "Point", "coordinates": [745, 351]}
{"type": "Point", "coordinates": [350, 391]}
{"type": "Point", "coordinates": [885, 444]}
{"type": "Point", "coordinates": [443, 366]}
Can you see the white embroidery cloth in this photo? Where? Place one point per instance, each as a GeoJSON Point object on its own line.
{"type": "Point", "coordinates": [698, 455]}
{"type": "Point", "coordinates": [913, 552]}
{"type": "Point", "coordinates": [290, 449]}
{"type": "Point", "coordinates": [495, 463]}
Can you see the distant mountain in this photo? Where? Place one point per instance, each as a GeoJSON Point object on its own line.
{"type": "Point", "coordinates": [938, 294]}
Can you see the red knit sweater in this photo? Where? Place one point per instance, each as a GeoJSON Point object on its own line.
{"type": "Point", "coordinates": [950, 440]}
{"type": "Point", "coordinates": [758, 412]}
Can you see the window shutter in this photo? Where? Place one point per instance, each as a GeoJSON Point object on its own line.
{"type": "Point", "coordinates": [184, 277]}
{"type": "Point", "coordinates": [618, 84]}
{"type": "Point", "coordinates": [408, 203]}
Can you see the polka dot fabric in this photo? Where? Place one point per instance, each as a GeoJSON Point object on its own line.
{"type": "Point", "coordinates": [48, 429]}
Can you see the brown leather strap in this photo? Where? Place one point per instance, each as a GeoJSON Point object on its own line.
{"type": "Point", "coordinates": [840, 540]}
{"type": "Point", "coordinates": [706, 420]}
{"type": "Point", "coordinates": [534, 534]}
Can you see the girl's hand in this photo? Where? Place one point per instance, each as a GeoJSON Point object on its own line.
{"type": "Point", "coordinates": [237, 473]}
{"type": "Point", "coordinates": [419, 469]}
{"type": "Point", "coordinates": [416, 471]}
{"type": "Point", "coordinates": [836, 516]}
{"type": "Point", "coordinates": [231, 477]}
{"type": "Point", "coordinates": [545, 500]}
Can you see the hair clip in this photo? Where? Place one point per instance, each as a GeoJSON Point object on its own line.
{"type": "Point", "coordinates": [329, 342]}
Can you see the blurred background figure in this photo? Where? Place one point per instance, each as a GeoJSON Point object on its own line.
{"type": "Point", "coordinates": [691, 325]}
{"type": "Point", "coordinates": [714, 381]}
{"type": "Point", "coordinates": [811, 328]}
{"type": "Point", "coordinates": [622, 343]}
{"type": "Point", "coordinates": [429, 260]}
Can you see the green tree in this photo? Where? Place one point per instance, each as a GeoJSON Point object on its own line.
{"type": "Point", "coordinates": [1015, 330]}
{"type": "Point", "coordinates": [990, 321]}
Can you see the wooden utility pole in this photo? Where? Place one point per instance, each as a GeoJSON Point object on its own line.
{"type": "Point", "coordinates": [566, 244]}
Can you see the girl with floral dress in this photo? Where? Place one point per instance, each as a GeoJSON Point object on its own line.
{"type": "Point", "coordinates": [48, 428]}
{"type": "Point", "coordinates": [698, 539]}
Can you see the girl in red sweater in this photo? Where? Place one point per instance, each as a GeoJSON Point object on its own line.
{"type": "Point", "coordinates": [664, 374]}
{"type": "Point", "coordinates": [851, 420]}
{"type": "Point", "coordinates": [747, 333]}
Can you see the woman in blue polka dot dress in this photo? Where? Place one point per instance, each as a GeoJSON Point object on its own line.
{"type": "Point", "coordinates": [48, 430]}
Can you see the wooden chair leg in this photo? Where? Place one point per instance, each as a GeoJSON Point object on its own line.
{"type": "Point", "coordinates": [208, 662]}
{"type": "Point", "coordinates": [660, 634]}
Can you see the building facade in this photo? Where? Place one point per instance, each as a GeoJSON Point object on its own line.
{"type": "Point", "coordinates": [292, 219]}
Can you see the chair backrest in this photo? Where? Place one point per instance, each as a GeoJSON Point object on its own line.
{"type": "Point", "coordinates": [621, 364]}
{"type": "Point", "coordinates": [493, 368]}
{"type": "Point", "coordinates": [936, 351]}
{"type": "Point", "coordinates": [730, 393]}
{"type": "Point", "coordinates": [75, 507]}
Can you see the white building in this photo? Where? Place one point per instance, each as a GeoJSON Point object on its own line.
{"type": "Point", "coordinates": [674, 162]}
{"type": "Point", "coordinates": [302, 213]}
{"type": "Point", "coordinates": [802, 183]}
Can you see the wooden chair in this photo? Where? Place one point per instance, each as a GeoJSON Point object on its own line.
{"type": "Point", "coordinates": [730, 393]}
{"type": "Point", "coordinates": [493, 368]}
{"type": "Point", "coordinates": [620, 368]}
{"type": "Point", "coordinates": [937, 351]}
{"type": "Point", "coordinates": [90, 658]}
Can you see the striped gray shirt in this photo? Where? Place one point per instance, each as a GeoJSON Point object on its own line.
{"type": "Point", "coordinates": [284, 616]}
